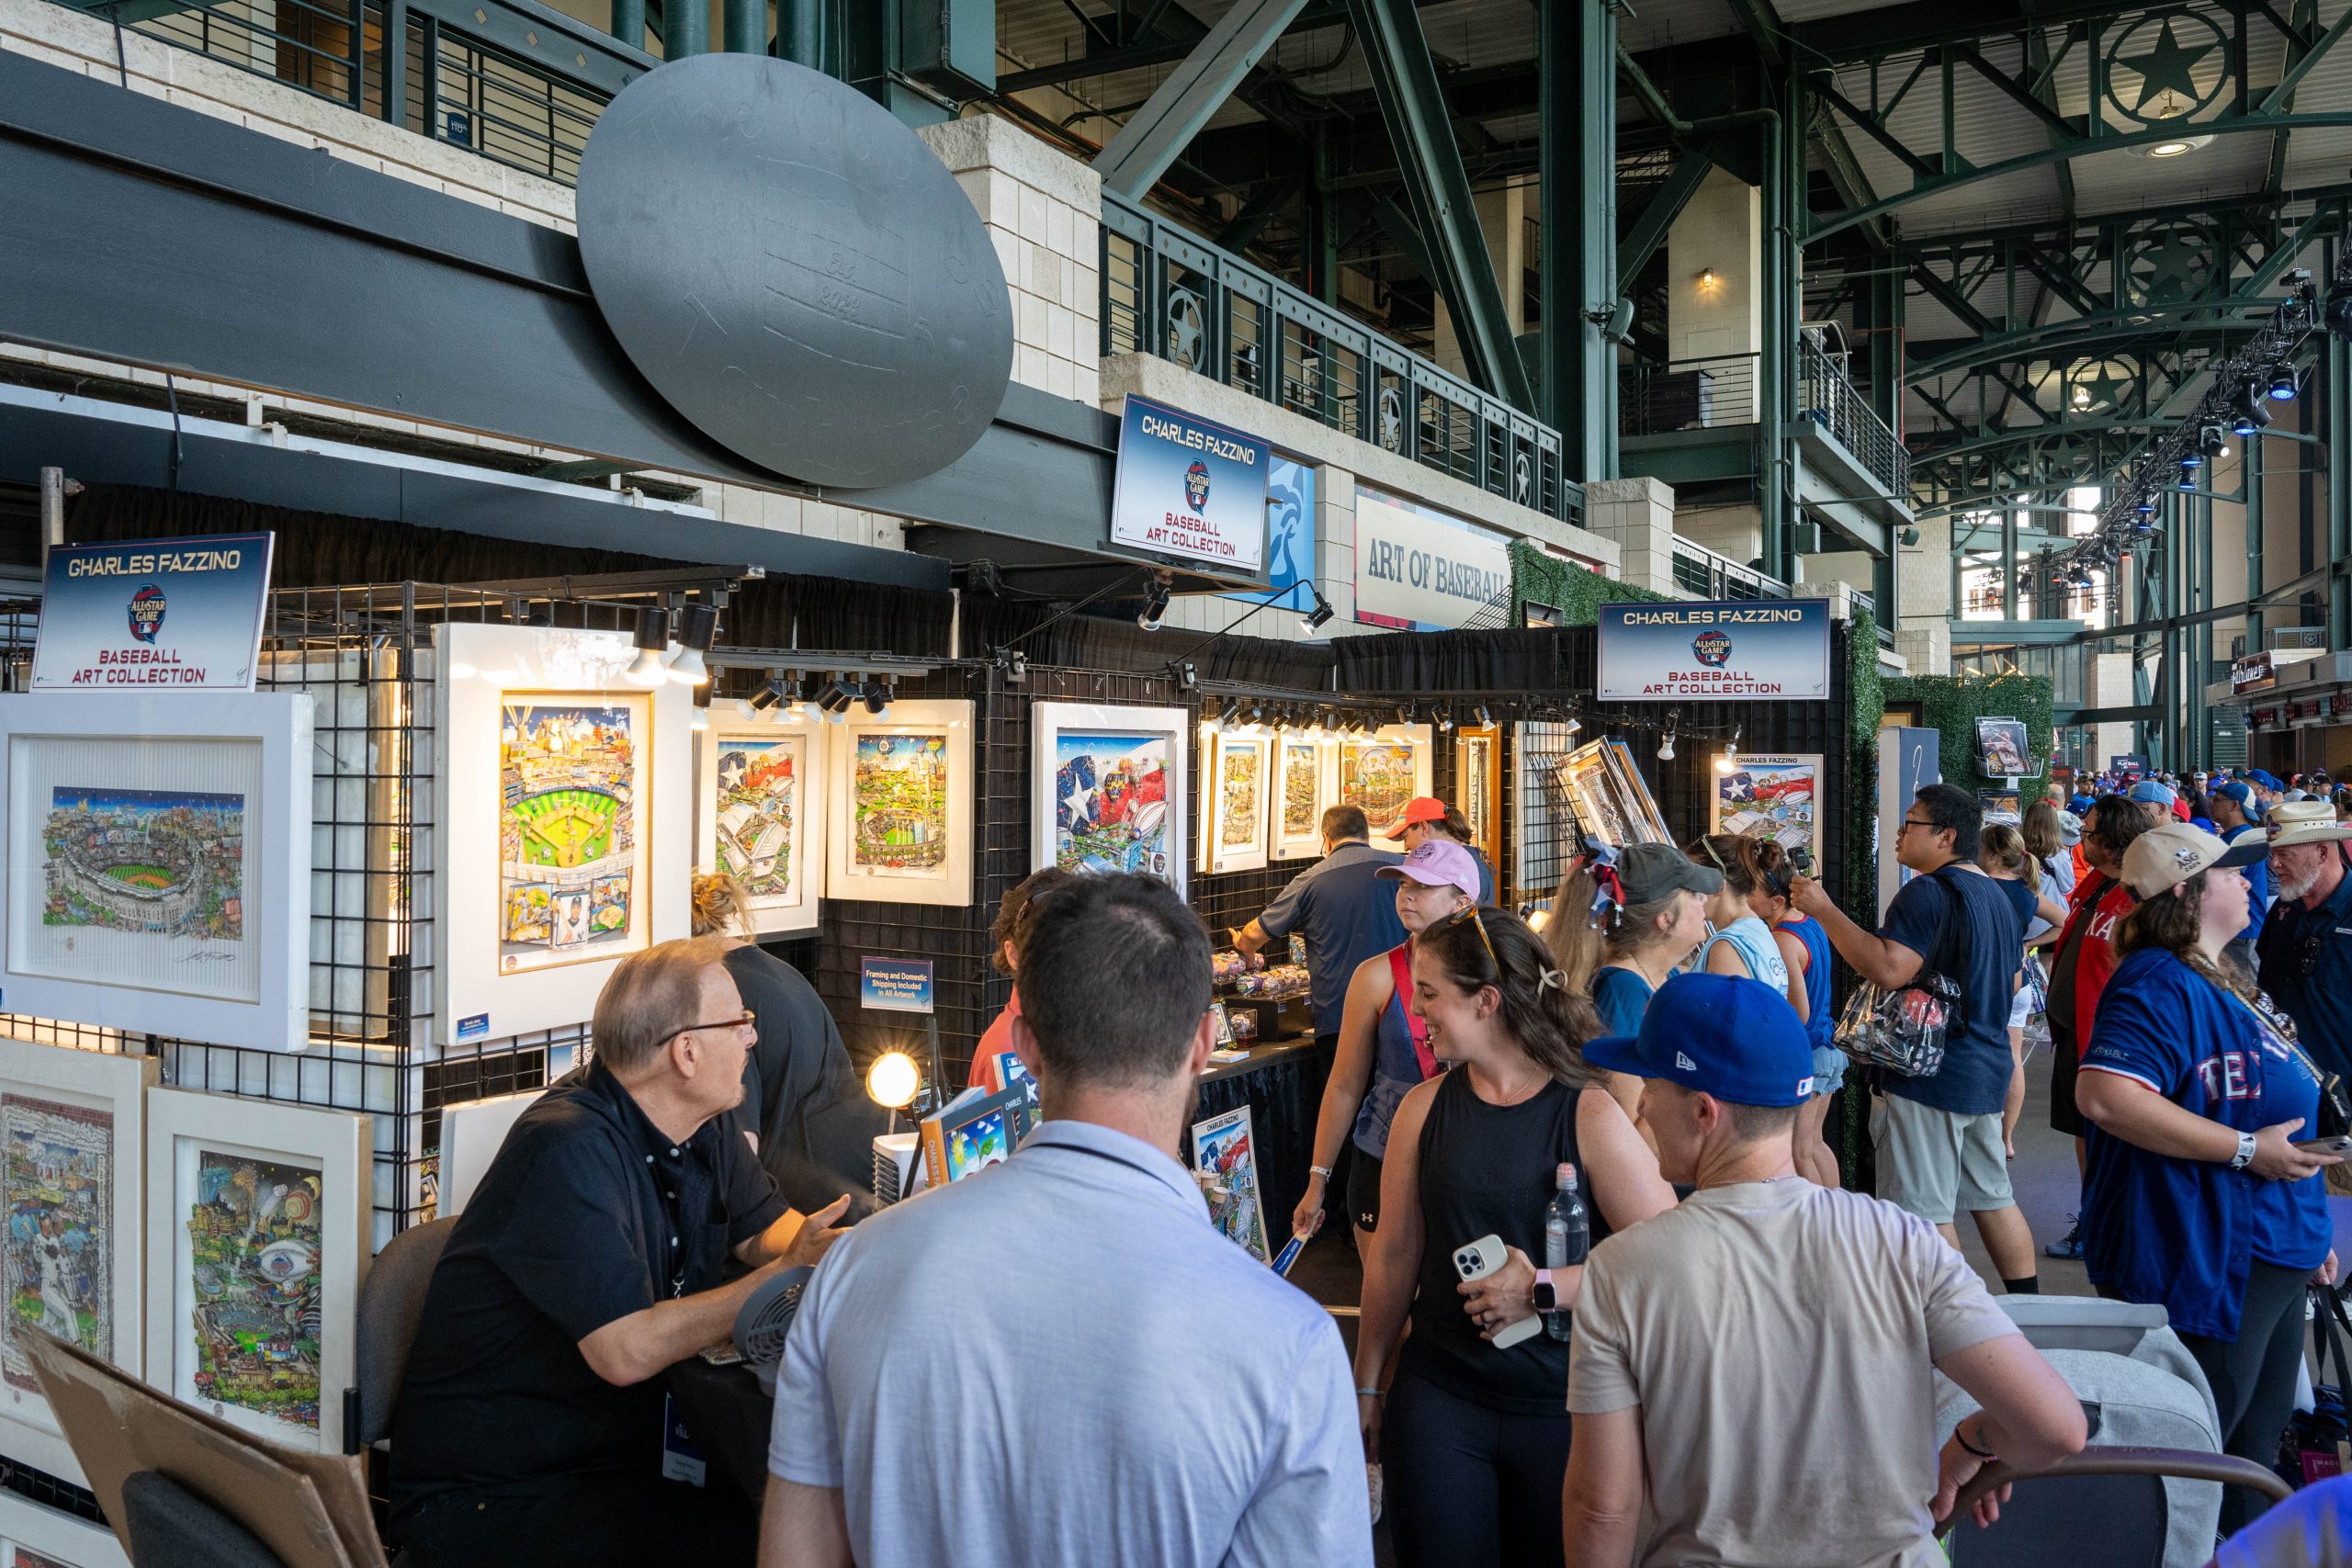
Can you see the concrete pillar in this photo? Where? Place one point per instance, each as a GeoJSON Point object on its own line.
{"type": "Point", "coordinates": [1637, 514]}
{"type": "Point", "coordinates": [1715, 294]}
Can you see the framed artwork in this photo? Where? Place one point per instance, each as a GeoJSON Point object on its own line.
{"type": "Point", "coordinates": [2005, 806]}
{"type": "Point", "coordinates": [1233, 831]}
{"type": "Point", "coordinates": [902, 804]}
{"type": "Point", "coordinates": [1225, 1159]}
{"type": "Point", "coordinates": [1478, 786]}
{"type": "Point", "coordinates": [1382, 772]}
{"type": "Point", "coordinates": [32, 1536]}
{"type": "Point", "coordinates": [71, 1159]}
{"type": "Point", "coordinates": [1633, 794]}
{"type": "Point", "coordinates": [256, 1245]}
{"type": "Point", "coordinates": [1766, 796]}
{"type": "Point", "coordinates": [471, 1135]}
{"type": "Point", "coordinates": [157, 864]}
{"type": "Point", "coordinates": [559, 803]}
{"type": "Point", "coordinates": [759, 799]}
{"type": "Point", "coordinates": [1108, 789]}
{"type": "Point", "coordinates": [1582, 787]}
{"type": "Point", "coordinates": [1298, 795]}
{"type": "Point", "coordinates": [2001, 748]}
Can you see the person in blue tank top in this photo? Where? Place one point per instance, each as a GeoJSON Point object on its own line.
{"type": "Point", "coordinates": [1738, 943]}
{"type": "Point", "coordinates": [2198, 1198]}
{"type": "Point", "coordinates": [1805, 948]}
{"type": "Point", "coordinates": [1384, 1048]}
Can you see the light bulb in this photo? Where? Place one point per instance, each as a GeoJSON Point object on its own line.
{"type": "Point", "coordinates": [1666, 747]}
{"type": "Point", "coordinates": [893, 1080]}
{"type": "Point", "coordinates": [647, 671]}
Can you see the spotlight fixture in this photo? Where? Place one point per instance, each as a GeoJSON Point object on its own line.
{"type": "Point", "coordinates": [1016, 667]}
{"type": "Point", "coordinates": [2212, 441]}
{"type": "Point", "coordinates": [1445, 721]}
{"type": "Point", "coordinates": [767, 696]}
{"type": "Point", "coordinates": [698, 625]}
{"type": "Point", "coordinates": [2282, 383]}
{"type": "Point", "coordinates": [2145, 506]}
{"type": "Point", "coordinates": [1666, 746]}
{"type": "Point", "coordinates": [1483, 716]}
{"type": "Point", "coordinates": [879, 695]}
{"type": "Point", "coordinates": [1574, 723]}
{"type": "Point", "coordinates": [702, 705]}
{"type": "Point", "coordinates": [1404, 714]}
{"type": "Point", "coordinates": [1229, 715]}
{"type": "Point", "coordinates": [653, 637]}
{"type": "Point", "coordinates": [1155, 604]}
{"type": "Point", "coordinates": [835, 701]}
{"type": "Point", "coordinates": [1315, 619]}
{"type": "Point", "coordinates": [1730, 759]}
{"type": "Point", "coordinates": [894, 1080]}
{"type": "Point", "coordinates": [1188, 677]}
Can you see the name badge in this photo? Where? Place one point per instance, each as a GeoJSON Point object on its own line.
{"type": "Point", "coordinates": [681, 1460]}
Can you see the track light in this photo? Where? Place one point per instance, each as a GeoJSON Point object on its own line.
{"type": "Point", "coordinates": [767, 696]}
{"type": "Point", "coordinates": [702, 706]}
{"type": "Point", "coordinates": [879, 695]}
{"type": "Point", "coordinates": [1229, 715]}
{"type": "Point", "coordinates": [1483, 716]}
{"type": "Point", "coordinates": [835, 701]}
{"type": "Point", "coordinates": [653, 637]}
{"type": "Point", "coordinates": [698, 625]}
{"type": "Point", "coordinates": [1445, 721]}
{"type": "Point", "coordinates": [2211, 441]}
{"type": "Point", "coordinates": [1155, 604]}
{"type": "Point", "coordinates": [1574, 723]}
{"type": "Point", "coordinates": [1315, 619]}
{"type": "Point", "coordinates": [2282, 383]}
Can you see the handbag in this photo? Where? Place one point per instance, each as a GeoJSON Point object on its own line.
{"type": "Point", "coordinates": [2317, 1443]}
{"type": "Point", "coordinates": [2037, 985]}
{"type": "Point", "coordinates": [1909, 1028]}
{"type": "Point", "coordinates": [2334, 1118]}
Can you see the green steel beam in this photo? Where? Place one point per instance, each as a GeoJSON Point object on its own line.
{"type": "Point", "coordinates": [1650, 231]}
{"type": "Point", "coordinates": [1576, 47]}
{"type": "Point", "coordinates": [2052, 338]}
{"type": "Point", "coordinates": [1153, 137]}
{"type": "Point", "coordinates": [1411, 102]}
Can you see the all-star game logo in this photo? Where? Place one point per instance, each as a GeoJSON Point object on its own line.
{"type": "Point", "coordinates": [1712, 647]}
{"type": "Point", "coordinates": [1196, 485]}
{"type": "Point", "coordinates": [147, 613]}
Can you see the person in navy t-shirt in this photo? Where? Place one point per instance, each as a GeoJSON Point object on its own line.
{"type": "Point", "coordinates": [1941, 1149]}
{"type": "Point", "coordinates": [2198, 1198]}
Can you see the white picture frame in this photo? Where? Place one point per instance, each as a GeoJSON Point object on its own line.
{"type": "Point", "coordinates": [256, 1153]}
{"type": "Point", "coordinates": [737, 791]}
{"type": "Point", "coordinates": [486, 989]}
{"type": "Point", "coordinates": [1233, 801]}
{"type": "Point", "coordinates": [212, 785]}
{"type": "Point", "coordinates": [73, 1157]}
{"type": "Point", "coordinates": [471, 1135]}
{"type": "Point", "coordinates": [933, 858]}
{"type": "Point", "coordinates": [1770, 795]}
{"type": "Point", "coordinates": [31, 1533]}
{"type": "Point", "coordinates": [1138, 826]}
{"type": "Point", "coordinates": [1382, 808]}
{"type": "Point", "coordinates": [1299, 756]}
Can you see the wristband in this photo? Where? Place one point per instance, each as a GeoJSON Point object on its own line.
{"type": "Point", "coordinates": [1322, 1170]}
{"type": "Point", "coordinates": [1370, 1393]}
{"type": "Point", "coordinates": [2244, 1156]}
{"type": "Point", "coordinates": [1960, 1436]}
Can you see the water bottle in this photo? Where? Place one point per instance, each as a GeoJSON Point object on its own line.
{"type": "Point", "coordinates": [1568, 1236]}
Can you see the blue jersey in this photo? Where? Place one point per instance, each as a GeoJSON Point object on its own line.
{"type": "Point", "coordinates": [2182, 1232]}
{"type": "Point", "coordinates": [1819, 1023]}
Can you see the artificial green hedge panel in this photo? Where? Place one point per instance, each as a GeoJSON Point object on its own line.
{"type": "Point", "coordinates": [1577, 594]}
{"type": "Point", "coordinates": [1866, 689]}
{"type": "Point", "coordinates": [1951, 705]}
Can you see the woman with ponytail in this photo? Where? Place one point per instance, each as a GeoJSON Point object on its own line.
{"type": "Point", "coordinates": [1805, 948]}
{"type": "Point", "coordinates": [2199, 1197]}
{"type": "Point", "coordinates": [1474, 1442]}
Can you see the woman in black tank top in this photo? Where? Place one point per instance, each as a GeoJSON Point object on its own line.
{"type": "Point", "coordinates": [1473, 1440]}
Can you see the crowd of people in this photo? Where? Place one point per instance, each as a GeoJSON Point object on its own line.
{"type": "Point", "coordinates": [1060, 1359]}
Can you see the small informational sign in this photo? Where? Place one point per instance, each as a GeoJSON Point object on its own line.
{"type": "Point", "coordinates": [1190, 486]}
{"type": "Point", "coordinates": [1721, 651]}
{"type": "Point", "coordinates": [1423, 570]}
{"type": "Point", "coordinates": [894, 985]}
{"type": "Point", "coordinates": [2128, 762]}
{"type": "Point", "coordinates": [184, 613]}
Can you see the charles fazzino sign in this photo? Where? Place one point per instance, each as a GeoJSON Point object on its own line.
{"type": "Point", "coordinates": [1190, 486]}
{"type": "Point", "coordinates": [1725, 651]}
{"type": "Point", "coordinates": [134, 616]}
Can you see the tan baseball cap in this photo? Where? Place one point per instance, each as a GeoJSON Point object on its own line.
{"type": "Point", "coordinates": [2305, 822]}
{"type": "Point", "coordinates": [2163, 858]}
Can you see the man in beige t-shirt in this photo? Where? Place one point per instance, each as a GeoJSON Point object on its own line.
{"type": "Point", "coordinates": [1753, 1363]}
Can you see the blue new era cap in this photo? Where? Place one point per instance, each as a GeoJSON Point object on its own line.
{"type": "Point", "coordinates": [2148, 792]}
{"type": "Point", "coordinates": [1722, 1034]}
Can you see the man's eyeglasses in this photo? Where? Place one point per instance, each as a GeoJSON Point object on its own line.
{"type": "Point", "coordinates": [1909, 823]}
{"type": "Point", "coordinates": [743, 1020]}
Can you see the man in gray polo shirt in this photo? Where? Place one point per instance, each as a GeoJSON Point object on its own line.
{"type": "Point", "coordinates": [1059, 1359]}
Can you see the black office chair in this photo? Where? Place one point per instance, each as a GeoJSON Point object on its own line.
{"type": "Point", "coordinates": [391, 1304]}
{"type": "Point", "coordinates": [171, 1527]}
{"type": "Point", "coordinates": [2104, 1507]}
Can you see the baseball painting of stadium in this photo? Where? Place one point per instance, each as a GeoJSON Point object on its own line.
{"type": "Point", "coordinates": [759, 814]}
{"type": "Point", "coordinates": [1111, 802]}
{"type": "Point", "coordinates": [1298, 795]}
{"type": "Point", "coordinates": [898, 799]}
{"type": "Point", "coordinates": [164, 862]}
{"type": "Point", "coordinates": [570, 828]}
{"type": "Point", "coordinates": [1378, 776]}
{"type": "Point", "coordinates": [1234, 837]}
{"type": "Point", "coordinates": [57, 1184]}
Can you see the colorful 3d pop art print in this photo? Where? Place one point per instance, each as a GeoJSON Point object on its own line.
{"type": "Point", "coordinates": [760, 807]}
{"type": "Point", "coordinates": [1299, 770]}
{"type": "Point", "coordinates": [1478, 786]}
{"type": "Point", "coordinates": [1109, 789]}
{"type": "Point", "coordinates": [1381, 771]}
{"type": "Point", "coordinates": [1775, 798]}
{"type": "Point", "coordinates": [1225, 1159]}
{"type": "Point", "coordinates": [157, 860]}
{"type": "Point", "coordinates": [71, 1157]}
{"type": "Point", "coordinates": [32, 1536]}
{"type": "Point", "coordinates": [901, 804]}
{"type": "Point", "coordinates": [2001, 748]}
{"type": "Point", "coordinates": [256, 1247]}
{"type": "Point", "coordinates": [1234, 807]}
{"type": "Point", "coordinates": [560, 803]}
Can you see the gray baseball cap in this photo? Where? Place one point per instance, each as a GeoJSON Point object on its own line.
{"type": "Point", "coordinates": [1653, 871]}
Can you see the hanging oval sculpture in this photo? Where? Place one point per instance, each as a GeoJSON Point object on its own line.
{"type": "Point", "coordinates": [793, 270]}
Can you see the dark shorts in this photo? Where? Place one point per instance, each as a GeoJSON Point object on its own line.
{"type": "Point", "coordinates": [2064, 1062]}
{"type": "Point", "coordinates": [1363, 1189]}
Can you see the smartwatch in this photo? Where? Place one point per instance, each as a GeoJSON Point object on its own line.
{"type": "Point", "coordinates": [2245, 1156]}
{"type": "Point", "coordinates": [1547, 1298]}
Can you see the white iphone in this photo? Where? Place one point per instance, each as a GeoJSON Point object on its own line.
{"type": "Point", "coordinates": [1475, 1261]}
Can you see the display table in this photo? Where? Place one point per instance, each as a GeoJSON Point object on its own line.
{"type": "Point", "coordinates": [726, 1414]}
{"type": "Point", "coordinates": [1282, 1083]}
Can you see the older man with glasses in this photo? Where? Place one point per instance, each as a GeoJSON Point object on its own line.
{"type": "Point", "coordinates": [2304, 954]}
{"type": "Point", "coordinates": [530, 1421]}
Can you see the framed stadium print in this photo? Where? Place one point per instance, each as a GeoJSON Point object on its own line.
{"type": "Point", "coordinates": [256, 1244]}
{"type": "Point", "coordinates": [1108, 789]}
{"type": "Point", "coordinates": [1233, 831]}
{"type": "Point", "coordinates": [157, 863]}
{"type": "Point", "coordinates": [1381, 773]}
{"type": "Point", "coordinates": [71, 1157]}
{"type": "Point", "coordinates": [559, 799]}
{"type": "Point", "coordinates": [760, 811]}
{"type": "Point", "coordinates": [901, 804]}
{"type": "Point", "coordinates": [1297, 831]}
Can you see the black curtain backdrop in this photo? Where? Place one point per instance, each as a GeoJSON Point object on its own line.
{"type": "Point", "coordinates": [1096, 640]}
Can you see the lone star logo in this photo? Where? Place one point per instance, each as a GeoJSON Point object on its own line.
{"type": "Point", "coordinates": [2166, 68]}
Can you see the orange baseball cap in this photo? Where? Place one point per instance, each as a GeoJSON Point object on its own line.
{"type": "Point", "coordinates": [1420, 809]}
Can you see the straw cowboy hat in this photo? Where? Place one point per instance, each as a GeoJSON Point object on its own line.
{"type": "Point", "coordinates": [2306, 822]}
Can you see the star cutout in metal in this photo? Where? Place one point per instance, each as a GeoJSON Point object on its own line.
{"type": "Point", "coordinates": [2172, 268]}
{"type": "Point", "coordinates": [2165, 67]}
{"type": "Point", "coordinates": [2105, 388]}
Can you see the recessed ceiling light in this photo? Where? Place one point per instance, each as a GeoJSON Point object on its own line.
{"type": "Point", "coordinates": [2169, 149]}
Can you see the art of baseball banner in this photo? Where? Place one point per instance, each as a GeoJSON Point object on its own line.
{"type": "Point", "coordinates": [1190, 486]}
{"type": "Point", "coordinates": [1422, 570]}
{"type": "Point", "coordinates": [1723, 651]}
{"type": "Point", "coordinates": [182, 613]}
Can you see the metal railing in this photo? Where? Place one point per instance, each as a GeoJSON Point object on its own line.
{"type": "Point", "coordinates": [1701, 570]}
{"type": "Point", "coordinates": [1829, 400]}
{"type": "Point", "coordinates": [515, 81]}
{"type": "Point", "coordinates": [1167, 293]}
{"type": "Point", "coordinates": [1687, 394]}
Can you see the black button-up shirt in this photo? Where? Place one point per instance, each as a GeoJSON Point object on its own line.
{"type": "Point", "coordinates": [588, 1214]}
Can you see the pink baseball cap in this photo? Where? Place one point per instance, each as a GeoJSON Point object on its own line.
{"type": "Point", "coordinates": [1439, 863]}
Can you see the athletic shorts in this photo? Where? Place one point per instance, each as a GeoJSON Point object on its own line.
{"type": "Point", "coordinates": [1364, 1190]}
{"type": "Point", "coordinates": [1828, 1068]}
{"type": "Point", "coordinates": [2022, 1009]}
{"type": "Point", "coordinates": [1935, 1163]}
{"type": "Point", "coordinates": [2064, 1062]}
